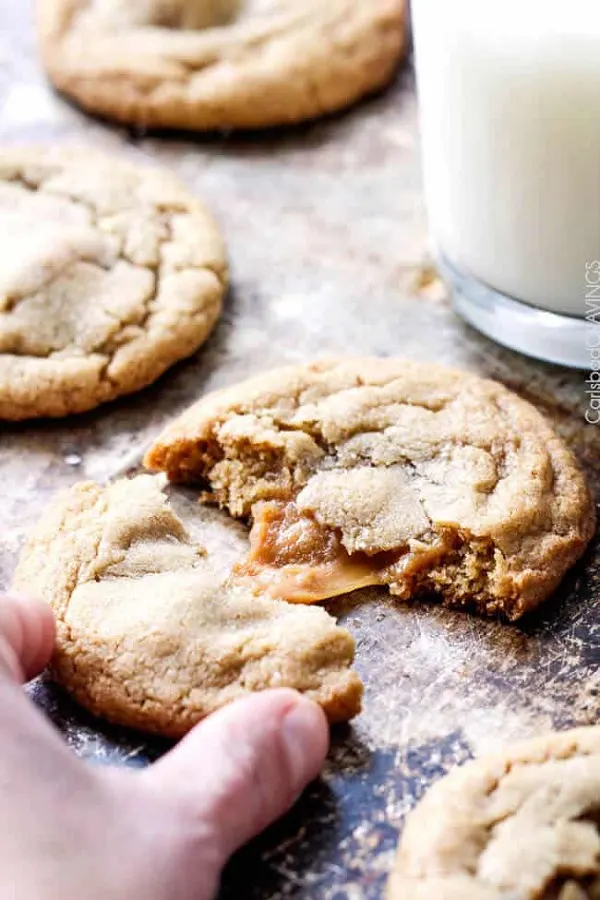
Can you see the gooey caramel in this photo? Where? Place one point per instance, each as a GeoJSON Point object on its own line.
{"type": "Point", "coordinates": [294, 558]}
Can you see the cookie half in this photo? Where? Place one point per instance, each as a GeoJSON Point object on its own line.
{"type": "Point", "coordinates": [110, 273]}
{"type": "Point", "coordinates": [385, 472]}
{"type": "Point", "coordinates": [221, 64]}
{"type": "Point", "coordinates": [149, 637]}
{"type": "Point", "coordinates": [522, 825]}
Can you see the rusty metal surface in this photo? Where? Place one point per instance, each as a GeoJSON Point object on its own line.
{"type": "Point", "coordinates": [326, 233]}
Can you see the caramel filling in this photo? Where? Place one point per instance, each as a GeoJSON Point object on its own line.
{"type": "Point", "coordinates": [294, 558]}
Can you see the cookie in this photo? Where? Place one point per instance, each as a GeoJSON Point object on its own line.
{"type": "Point", "coordinates": [148, 635]}
{"type": "Point", "coordinates": [110, 273]}
{"type": "Point", "coordinates": [364, 472]}
{"type": "Point", "coordinates": [522, 825]}
{"type": "Point", "coordinates": [221, 64]}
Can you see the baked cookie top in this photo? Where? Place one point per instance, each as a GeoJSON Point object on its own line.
{"type": "Point", "coordinates": [382, 471]}
{"type": "Point", "coordinates": [110, 273]}
{"type": "Point", "coordinates": [522, 825]}
{"type": "Point", "coordinates": [148, 635]}
{"type": "Point", "coordinates": [211, 64]}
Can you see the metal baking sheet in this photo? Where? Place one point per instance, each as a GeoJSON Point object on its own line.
{"type": "Point", "coordinates": [327, 237]}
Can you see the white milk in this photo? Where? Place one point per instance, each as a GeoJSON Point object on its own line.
{"type": "Point", "coordinates": [510, 112]}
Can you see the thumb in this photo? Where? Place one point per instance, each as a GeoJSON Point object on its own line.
{"type": "Point", "coordinates": [26, 637]}
{"type": "Point", "coordinates": [245, 765]}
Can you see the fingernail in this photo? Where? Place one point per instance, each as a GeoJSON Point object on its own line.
{"type": "Point", "coordinates": [306, 738]}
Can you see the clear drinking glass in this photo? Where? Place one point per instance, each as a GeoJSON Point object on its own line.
{"type": "Point", "coordinates": [509, 95]}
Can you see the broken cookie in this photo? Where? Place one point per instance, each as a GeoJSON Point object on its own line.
{"type": "Point", "coordinates": [385, 472]}
{"type": "Point", "coordinates": [149, 636]}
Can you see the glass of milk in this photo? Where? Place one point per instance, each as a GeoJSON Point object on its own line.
{"type": "Point", "coordinates": [510, 121]}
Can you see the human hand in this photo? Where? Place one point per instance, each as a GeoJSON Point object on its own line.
{"type": "Point", "coordinates": [69, 831]}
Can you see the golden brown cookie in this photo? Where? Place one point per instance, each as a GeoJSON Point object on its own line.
{"type": "Point", "coordinates": [148, 635]}
{"type": "Point", "coordinates": [211, 64]}
{"type": "Point", "coordinates": [109, 273]}
{"type": "Point", "coordinates": [381, 471]}
{"type": "Point", "coordinates": [522, 825]}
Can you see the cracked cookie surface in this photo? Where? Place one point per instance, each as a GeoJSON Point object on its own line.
{"type": "Point", "coordinates": [522, 825]}
{"type": "Point", "coordinates": [211, 64]}
{"type": "Point", "coordinates": [382, 471]}
{"type": "Point", "coordinates": [110, 273]}
{"type": "Point", "coordinates": [149, 636]}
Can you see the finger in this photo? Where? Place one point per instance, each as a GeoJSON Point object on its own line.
{"type": "Point", "coordinates": [27, 636]}
{"type": "Point", "coordinates": [244, 766]}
